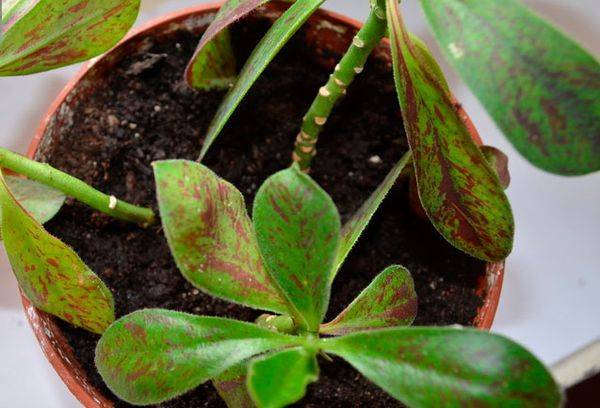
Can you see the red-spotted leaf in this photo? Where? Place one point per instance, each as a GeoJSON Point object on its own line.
{"type": "Point", "coordinates": [499, 162]}
{"type": "Point", "coordinates": [281, 31]}
{"type": "Point", "coordinates": [355, 226]}
{"type": "Point", "coordinates": [280, 379]}
{"type": "Point", "coordinates": [389, 301]}
{"type": "Point", "coordinates": [211, 236]}
{"type": "Point", "coordinates": [541, 88]}
{"type": "Point", "coordinates": [444, 367]}
{"type": "Point", "coordinates": [298, 230]}
{"type": "Point", "coordinates": [40, 201]}
{"type": "Point", "coordinates": [38, 35]}
{"type": "Point", "coordinates": [50, 273]}
{"type": "Point", "coordinates": [153, 355]}
{"type": "Point", "coordinates": [428, 61]}
{"type": "Point", "coordinates": [215, 66]}
{"type": "Point", "coordinates": [213, 59]}
{"type": "Point", "coordinates": [459, 191]}
{"type": "Point", "coordinates": [231, 386]}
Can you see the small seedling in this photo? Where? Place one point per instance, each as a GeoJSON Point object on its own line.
{"type": "Point", "coordinates": [284, 261]}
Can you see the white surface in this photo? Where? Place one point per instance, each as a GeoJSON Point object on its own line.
{"type": "Point", "coordinates": [550, 300]}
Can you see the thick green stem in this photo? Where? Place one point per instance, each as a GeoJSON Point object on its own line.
{"type": "Point", "coordinates": [73, 187]}
{"type": "Point", "coordinates": [350, 65]}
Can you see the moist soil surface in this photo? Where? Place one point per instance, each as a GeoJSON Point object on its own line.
{"type": "Point", "coordinates": [143, 112]}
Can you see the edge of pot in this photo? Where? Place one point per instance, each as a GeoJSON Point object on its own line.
{"type": "Point", "coordinates": [51, 340]}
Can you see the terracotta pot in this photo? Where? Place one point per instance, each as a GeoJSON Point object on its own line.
{"type": "Point", "coordinates": [326, 32]}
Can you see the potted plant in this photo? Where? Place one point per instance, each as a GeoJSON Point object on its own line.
{"type": "Point", "coordinates": [288, 267]}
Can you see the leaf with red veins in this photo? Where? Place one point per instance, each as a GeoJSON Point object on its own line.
{"type": "Point", "coordinates": [389, 301]}
{"type": "Point", "coordinates": [298, 230]}
{"type": "Point", "coordinates": [45, 34]}
{"type": "Point", "coordinates": [211, 236]}
{"type": "Point", "coordinates": [40, 201]}
{"type": "Point", "coordinates": [460, 192]}
{"type": "Point", "coordinates": [153, 355]}
{"type": "Point", "coordinates": [50, 273]}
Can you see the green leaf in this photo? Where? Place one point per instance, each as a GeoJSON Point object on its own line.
{"type": "Point", "coordinates": [215, 66]}
{"type": "Point", "coordinates": [50, 273]}
{"type": "Point", "coordinates": [153, 355]}
{"type": "Point", "coordinates": [541, 88]}
{"type": "Point", "coordinates": [211, 236]}
{"type": "Point", "coordinates": [355, 226]}
{"type": "Point", "coordinates": [281, 31]}
{"type": "Point", "coordinates": [213, 63]}
{"type": "Point", "coordinates": [499, 162]}
{"type": "Point", "coordinates": [231, 386]}
{"type": "Point", "coordinates": [298, 230]}
{"type": "Point", "coordinates": [459, 191]}
{"type": "Point", "coordinates": [389, 301]}
{"type": "Point", "coordinates": [39, 35]}
{"type": "Point", "coordinates": [40, 201]}
{"type": "Point", "coordinates": [435, 367]}
{"type": "Point", "coordinates": [281, 378]}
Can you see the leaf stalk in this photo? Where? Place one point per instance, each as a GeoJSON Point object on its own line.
{"type": "Point", "coordinates": [73, 187]}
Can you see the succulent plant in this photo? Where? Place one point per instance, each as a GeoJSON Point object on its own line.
{"type": "Point", "coordinates": [284, 261]}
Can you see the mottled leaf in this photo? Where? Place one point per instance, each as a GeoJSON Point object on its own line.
{"type": "Point", "coordinates": [298, 230]}
{"type": "Point", "coordinates": [389, 301]}
{"type": "Point", "coordinates": [499, 162]}
{"type": "Point", "coordinates": [211, 236]}
{"type": "Point", "coordinates": [215, 66]}
{"type": "Point", "coordinates": [214, 47]}
{"type": "Point", "coordinates": [153, 355]}
{"type": "Point", "coordinates": [50, 273]}
{"type": "Point", "coordinates": [281, 31]}
{"type": "Point", "coordinates": [541, 88]}
{"type": "Point", "coordinates": [40, 201]}
{"type": "Point", "coordinates": [428, 61]}
{"type": "Point", "coordinates": [355, 226]}
{"type": "Point", "coordinates": [281, 378]}
{"type": "Point", "coordinates": [231, 386]}
{"type": "Point", "coordinates": [435, 367]}
{"type": "Point", "coordinates": [38, 35]}
{"type": "Point", "coordinates": [459, 191]}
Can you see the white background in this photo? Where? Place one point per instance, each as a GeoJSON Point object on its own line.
{"type": "Point", "coordinates": [550, 301]}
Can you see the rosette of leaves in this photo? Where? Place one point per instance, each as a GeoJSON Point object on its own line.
{"type": "Point", "coordinates": [283, 261]}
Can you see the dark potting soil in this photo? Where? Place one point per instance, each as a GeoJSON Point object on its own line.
{"type": "Point", "coordinates": [143, 112]}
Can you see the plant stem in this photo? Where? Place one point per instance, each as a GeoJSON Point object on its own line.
{"type": "Point", "coordinates": [350, 65]}
{"type": "Point", "coordinates": [73, 187]}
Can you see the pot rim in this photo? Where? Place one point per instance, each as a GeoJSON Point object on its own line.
{"type": "Point", "coordinates": [50, 336]}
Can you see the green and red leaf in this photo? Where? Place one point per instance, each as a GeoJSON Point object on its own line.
{"type": "Point", "coordinates": [211, 236]}
{"type": "Point", "coordinates": [279, 33]}
{"type": "Point", "coordinates": [153, 355]}
{"type": "Point", "coordinates": [459, 191]}
{"type": "Point", "coordinates": [355, 226]}
{"type": "Point", "coordinates": [389, 301]}
{"type": "Point", "coordinates": [213, 59]}
{"type": "Point", "coordinates": [298, 230]}
{"type": "Point", "coordinates": [280, 379]}
{"type": "Point", "coordinates": [50, 273]}
{"type": "Point", "coordinates": [231, 386]}
{"type": "Point", "coordinates": [541, 88]}
{"type": "Point", "coordinates": [435, 367]}
{"type": "Point", "coordinates": [39, 35]}
{"type": "Point", "coordinates": [499, 162]}
{"type": "Point", "coordinates": [40, 201]}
